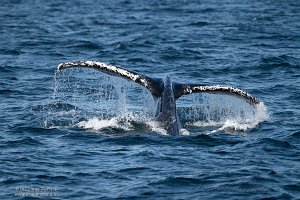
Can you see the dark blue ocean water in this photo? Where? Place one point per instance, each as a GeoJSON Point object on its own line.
{"type": "Point", "coordinates": [64, 136]}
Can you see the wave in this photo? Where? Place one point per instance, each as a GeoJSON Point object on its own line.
{"type": "Point", "coordinates": [21, 142]}
{"type": "Point", "coordinates": [87, 45]}
{"type": "Point", "coordinates": [285, 61]}
{"type": "Point", "coordinates": [13, 52]}
{"type": "Point", "coordinates": [295, 134]}
{"type": "Point", "coordinates": [177, 181]}
{"type": "Point", "coordinates": [198, 24]}
{"type": "Point", "coordinates": [273, 144]}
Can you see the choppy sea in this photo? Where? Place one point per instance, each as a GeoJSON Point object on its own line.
{"type": "Point", "coordinates": [81, 134]}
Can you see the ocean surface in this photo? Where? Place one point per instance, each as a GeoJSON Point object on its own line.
{"type": "Point", "coordinates": [81, 134]}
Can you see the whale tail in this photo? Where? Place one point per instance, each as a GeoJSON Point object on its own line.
{"type": "Point", "coordinates": [156, 85]}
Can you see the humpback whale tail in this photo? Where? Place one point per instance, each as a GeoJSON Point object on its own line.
{"type": "Point", "coordinates": [156, 85]}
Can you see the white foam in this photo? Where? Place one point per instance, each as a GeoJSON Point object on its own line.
{"type": "Point", "coordinates": [156, 127]}
{"type": "Point", "coordinates": [98, 124]}
{"type": "Point", "coordinates": [206, 123]}
{"type": "Point", "coordinates": [184, 132]}
{"type": "Point", "coordinates": [261, 114]}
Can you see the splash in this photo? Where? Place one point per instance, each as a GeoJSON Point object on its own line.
{"type": "Point", "coordinates": [260, 115]}
{"type": "Point", "coordinates": [155, 127]}
{"type": "Point", "coordinates": [96, 101]}
{"type": "Point", "coordinates": [123, 123]}
{"type": "Point", "coordinates": [98, 124]}
{"type": "Point", "coordinates": [103, 97]}
{"type": "Point", "coordinates": [222, 112]}
{"type": "Point", "coordinates": [237, 124]}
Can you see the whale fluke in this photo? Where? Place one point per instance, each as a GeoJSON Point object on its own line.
{"type": "Point", "coordinates": [154, 85]}
{"type": "Point", "coordinates": [165, 90]}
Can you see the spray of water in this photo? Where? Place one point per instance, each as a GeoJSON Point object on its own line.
{"type": "Point", "coordinates": [225, 112]}
{"type": "Point", "coordinates": [92, 100]}
{"type": "Point", "coordinates": [99, 101]}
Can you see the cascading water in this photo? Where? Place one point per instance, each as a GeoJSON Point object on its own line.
{"type": "Point", "coordinates": [92, 100]}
